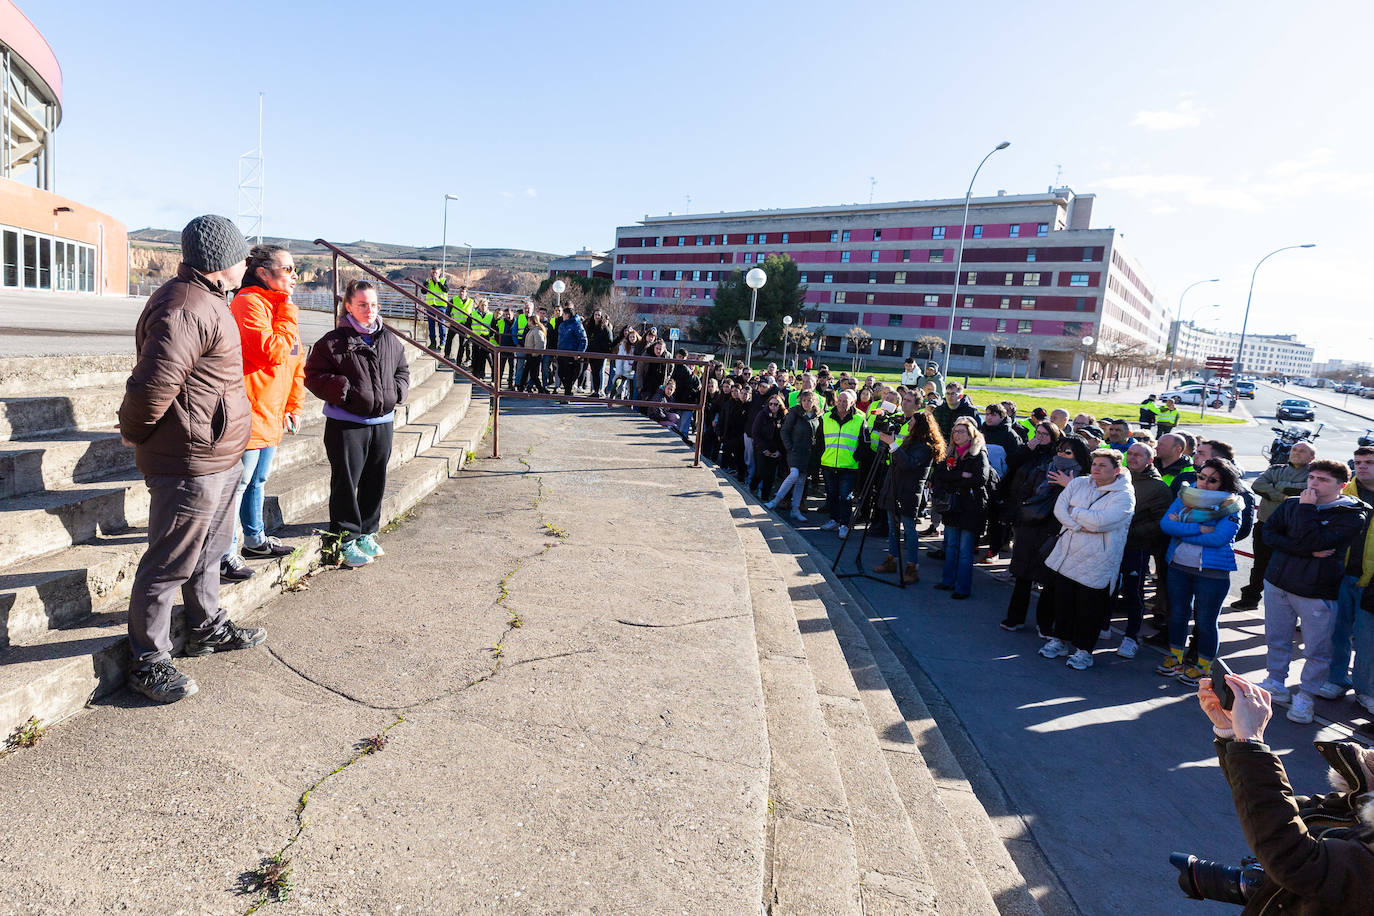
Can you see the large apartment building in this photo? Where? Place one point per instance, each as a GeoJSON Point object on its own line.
{"type": "Point", "coordinates": [1035, 278]}
{"type": "Point", "coordinates": [1265, 354]}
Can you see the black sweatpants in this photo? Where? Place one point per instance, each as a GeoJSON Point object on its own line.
{"type": "Point", "coordinates": [1079, 611]}
{"type": "Point", "coordinates": [569, 369]}
{"type": "Point", "coordinates": [358, 453]}
{"type": "Point", "coordinates": [1254, 589]}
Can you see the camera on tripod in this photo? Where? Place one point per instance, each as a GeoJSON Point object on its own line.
{"type": "Point", "coordinates": [1203, 879]}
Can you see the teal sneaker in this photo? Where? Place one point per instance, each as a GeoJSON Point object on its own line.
{"type": "Point", "coordinates": [368, 544]}
{"type": "Point", "coordinates": [353, 555]}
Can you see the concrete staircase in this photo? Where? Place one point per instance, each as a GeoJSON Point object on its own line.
{"type": "Point", "coordinates": [73, 510]}
{"type": "Point", "coordinates": [869, 810]}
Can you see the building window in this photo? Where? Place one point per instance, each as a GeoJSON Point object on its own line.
{"type": "Point", "coordinates": [758, 258]}
{"type": "Point", "coordinates": [681, 241]}
{"type": "Point", "coordinates": [1031, 279]}
{"type": "Point", "coordinates": [932, 300]}
{"type": "Point", "coordinates": [968, 302]}
{"type": "Point", "coordinates": [840, 296]}
{"type": "Point", "coordinates": [698, 240]}
{"type": "Point", "coordinates": [713, 240]}
{"type": "Point", "coordinates": [1014, 231]}
{"type": "Point", "coordinates": [972, 278]}
{"type": "Point", "coordinates": [844, 257]}
{"type": "Point", "coordinates": [658, 241]}
{"type": "Point", "coordinates": [844, 236]}
{"type": "Point", "coordinates": [823, 317]}
{"type": "Point", "coordinates": [1027, 302]}
{"type": "Point", "coordinates": [872, 277]}
{"type": "Point", "coordinates": [803, 278]}
{"type": "Point", "coordinates": [868, 299]}
{"type": "Point", "coordinates": [748, 257]}
{"type": "Point", "coordinates": [1042, 230]}
{"type": "Point", "coordinates": [1087, 254]}
{"type": "Point", "coordinates": [899, 277]}
{"type": "Point", "coordinates": [784, 238]}
{"type": "Point", "coordinates": [937, 256]}
{"type": "Point", "coordinates": [829, 278]}
{"type": "Point", "coordinates": [639, 275]}
{"type": "Point", "coordinates": [763, 238]}
{"type": "Point", "coordinates": [696, 275]}
{"type": "Point", "coordinates": [749, 239]}
{"type": "Point", "coordinates": [966, 324]}
{"type": "Point", "coordinates": [894, 321]}
{"type": "Point", "coordinates": [1030, 254]}
{"type": "Point", "coordinates": [1006, 302]}
{"type": "Point", "coordinates": [978, 232]}
{"type": "Point", "coordinates": [906, 256]}
{"type": "Point", "coordinates": [653, 292]}
{"type": "Point", "coordinates": [1009, 279]}
{"type": "Point", "coordinates": [1001, 325]}
{"type": "Point", "coordinates": [877, 235]}
{"type": "Point", "coordinates": [937, 232]}
{"type": "Point", "coordinates": [873, 257]}
{"type": "Point", "coordinates": [710, 276]}
{"type": "Point", "coordinates": [1078, 279]}
{"type": "Point", "coordinates": [678, 275]}
{"type": "Point", "coordinates": [1023, 327]}
{"type": "Point", "coordinates": [834, 236]}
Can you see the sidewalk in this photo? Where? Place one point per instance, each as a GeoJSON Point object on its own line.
{"type": "Point", "coordinates": [559, 652]}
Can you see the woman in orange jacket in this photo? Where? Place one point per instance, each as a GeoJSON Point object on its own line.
{"type": "Point", "coordinates": [273, 375]}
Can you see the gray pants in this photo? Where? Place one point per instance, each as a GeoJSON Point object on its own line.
{"type": "Point", "coordinates": [190, 525]}
{"type": "Point", "coordinates": [1282, 610]}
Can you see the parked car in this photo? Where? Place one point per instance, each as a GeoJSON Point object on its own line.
{"type": "Point", "coordinates": [1367, 392]}
{"type": "Point", "coordinates": [1245, 390]}
{"type": "Point", "coordinates": [1190, 394]}
{"type": "Point", "coordinates": [1295, 409]}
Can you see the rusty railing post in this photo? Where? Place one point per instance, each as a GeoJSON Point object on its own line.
{"type": "Point", "coordinates": [496, 406]}
{"type": "Point", "coordinates": [338, 300]}
{"type": "Point", "coordinates": [701, 417]}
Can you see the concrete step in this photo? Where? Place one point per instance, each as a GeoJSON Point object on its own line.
{"type": "Point", "coordinates": [25, 376]}
{"type": "Point", "coordinates": [65, 669]}
{"type": "Point", "coordinates": [57, 586]}
{"type": "Point", "coordinates": [32, 465]}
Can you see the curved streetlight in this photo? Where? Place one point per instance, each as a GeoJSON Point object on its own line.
{"type": "Point", "coordinates": [1087, 342]}
{"type": "Point", "coordinates": [443, 269]}
{"type": "Point", "coordinates": [754, 280]}
{"type": "Point", "coordinates": [1245, 322]}
{"type": "Point", "coordinates": [558, 287]}
{"type": "Point", "coordinates": [468, 273]}
{"type": "Point", "coordinates": [1178, 320]}
{"type": "Point", "coordinates": [959, 261]}
{"type": "Point", "coordinates": [786, 325]}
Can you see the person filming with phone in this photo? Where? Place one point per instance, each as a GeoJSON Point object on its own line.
{"type": "Point", "coordinates": [1312, 854]}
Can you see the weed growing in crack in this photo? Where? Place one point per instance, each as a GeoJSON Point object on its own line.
{"type": "Point", "coordinates": [515, 622]}
{"type": "Point", "coordinates": [498, 651]}
{"type": "Point", "coordinates": [400, 519]}
{"type": "Point", "coordinates": [294, 571]}
{"type": "Point", "coordinates": [374, 743]}
{"type": "Point", "coordinates": [271, 879]}
{"type": "Point", "coordinates": [554, 530]}
{"type": "Point", "coordinates": [27, 735]}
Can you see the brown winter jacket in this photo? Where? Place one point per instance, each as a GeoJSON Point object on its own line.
{"type": "Point", "coordinates": [1152, 500]}
{"type": "Point", "coordinates": [1316, 850]}
{"type": "Point", "coordinates": [184, 406]}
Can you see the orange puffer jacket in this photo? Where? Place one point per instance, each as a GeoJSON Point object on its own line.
{"type": "Point", "coordinates": [273, 360]}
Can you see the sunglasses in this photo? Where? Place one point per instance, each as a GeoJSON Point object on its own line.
{"type": "Point", "coordinates": [289, 269]}
{"type": "Point", "coordinates": [1209, 478]}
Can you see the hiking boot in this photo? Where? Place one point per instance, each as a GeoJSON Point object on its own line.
{"type": "Point", "coordinates": [1081, 660]}
{"type": "Point", "coordinates": [352, 555]}
{"type": "Point", "coordinates": [1278, 691]}
{"type": "Point", "coordinates": [368, 545]}
{"type": "Point", "coordinates": [911, 575]}
{"type": "Point", "coordinates": [226, 638]}
{"type": "Point", "coordinates": [1301, 711]}
{"type": "Point", "coordinates": [233, 569]}
{"type": "Point", "coordinates": [887, 566]}
{"type": "Point", "coordinates": [1128, 648]}
{"type": "Point", "coordinates": [1055, 648]}
{"type": "Point", "coordinates": [1245, 604]}
{"type": "Point", "coordinates": [161, 682]}
{"type": "Point", "coordinates": [269, 549]}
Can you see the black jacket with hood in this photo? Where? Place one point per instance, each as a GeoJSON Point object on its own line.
{"type": "Point", "coordinates": [1299, 530]}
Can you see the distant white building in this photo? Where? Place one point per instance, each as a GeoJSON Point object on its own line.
{"type": "Point", "coordinates": [1265, 354]}
{"type": "Point", "coordinates": [1333, 366]}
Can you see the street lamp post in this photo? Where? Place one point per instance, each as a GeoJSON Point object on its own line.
{"type": "Point", "coordinates": [1245, 322]}
{"type": "Point", "coordinates": [467, 275]}
{"type": "Point", "coordinates": [1178, 328]}
{"type": "Point", "coordinates": [786, 325]}
{"type": "Point", "coordinates": [959, 261]}
{"type": "Point", "coordinates": [558, 287]}
{"type": "Point", "coordinates": [443, 269]}
{"type": "Point", "coordinates": [1087, 342]}
{"type": "Point", "coordinates": [754, 280]}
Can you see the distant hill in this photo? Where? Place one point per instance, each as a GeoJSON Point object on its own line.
{"type": "Point", "coordinates": [516, 260]}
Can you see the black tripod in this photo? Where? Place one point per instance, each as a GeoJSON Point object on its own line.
{"type": "Point", "coordinates": [862, 510]}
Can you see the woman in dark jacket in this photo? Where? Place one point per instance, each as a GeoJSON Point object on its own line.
{"type": "Point", "coordinates": [733, 418]}
{"type": "Point", "coordinates": [359, 370]}
{"type": "Point", "coordinates": [649, 377]}
{"type": "Point", "coordinates": [963, 480]}
{"type": "Point", "coordinates": [799, 430]}
{"type": "Point", "coordinates": [910, 463]}
{"type": "Point", "coordinates": [1030, 499]}
{"type": "Point", "coordinates": [767, 435]}
{"type": "Point", "coordinates": [600, 340]}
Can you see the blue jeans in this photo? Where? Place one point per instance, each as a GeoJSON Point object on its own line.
{"type": "Point", "coordinates": [438, 330]}
{"type": "Point", "coordinates": [839, 486]}
{"type": "Point", "coordinates": [958, 571]}
{"type": "Point", "coordinates": [1131, 591]}
{"type": "Point", "coordinates": [895, 524]}
{"type": "Point", "coordinates": [1363, 675]}
{"type": "Point", "coordinates": [1347, 608]}
{"type": "Point", "coordinates": [1199, 598]}
{"type": "Point", "coordinates": [257, 464]}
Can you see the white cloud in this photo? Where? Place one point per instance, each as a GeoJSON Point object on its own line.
{"type": "Point", "coordinates": [530, 192]}
{"type": "Point", "coordinates": [1185, 114]}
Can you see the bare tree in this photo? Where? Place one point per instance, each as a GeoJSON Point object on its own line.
{"type": "Point", "coordinates": [730, 340]}
{"type": "Point", "coordinates": [859, 342]}
{"type": "Point", "coordinates": [617, 308]}
{"type": "Point", "coordinates": [996, 341]}
{"type": "Point", "coordinates": [799, 338]}
{"type": "Point", "coordinates": [930, 343]}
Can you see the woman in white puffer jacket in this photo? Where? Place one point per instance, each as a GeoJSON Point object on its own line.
{"type": "Point", "coordinates": [1096, 514]}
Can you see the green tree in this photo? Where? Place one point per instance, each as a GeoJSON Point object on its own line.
{"type": "Point", "coordinates": [783, 294]}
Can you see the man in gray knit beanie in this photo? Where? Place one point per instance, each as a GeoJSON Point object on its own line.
{"type": "Point", "coordinates": [187, 417]}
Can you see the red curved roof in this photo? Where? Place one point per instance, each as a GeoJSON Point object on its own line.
{"type": "Point", "coordinates": [29, 44]}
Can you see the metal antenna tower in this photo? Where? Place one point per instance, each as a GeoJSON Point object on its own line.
{"type": "Point", "coordinates": [1058, 173]}
{"type": "Point", "coordinates": [872, 183]}
{"type": "Point", "coordinates": [251, 173]}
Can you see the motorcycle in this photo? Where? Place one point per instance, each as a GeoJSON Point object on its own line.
{"type": "Point", "coordinates": [1285, 437]}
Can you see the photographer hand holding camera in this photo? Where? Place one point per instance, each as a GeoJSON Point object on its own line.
{"type": "Point", "coordinates": [1313, 854]}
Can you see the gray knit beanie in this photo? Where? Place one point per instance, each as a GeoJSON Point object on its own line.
{"type": "Point", "coordinates": [210, 243]}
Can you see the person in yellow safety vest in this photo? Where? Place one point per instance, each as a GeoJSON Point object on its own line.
{"type": "Point", "coordinates": [1149, 412]}
{"type": "Point", "coordinates": [436, 297]}
{"type": "Point", "coordinates": [1166, 418]}
{"type": "Point", "coordinates": [808, 383]}
{"type": "Point", "coordinates": [843, 431]}
{"type": "Point", "coordinates": [481, 322]}
{"type": "Point", "coordinates": [456, 312]}
{"type": "Point", "coordinates": [522, 323]}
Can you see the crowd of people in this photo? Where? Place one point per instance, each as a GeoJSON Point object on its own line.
{"type": "Point", "coordinates": [219, 381]}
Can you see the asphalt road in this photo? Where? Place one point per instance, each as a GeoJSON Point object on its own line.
{"type": "Point", "coordinates": [1336, 438]}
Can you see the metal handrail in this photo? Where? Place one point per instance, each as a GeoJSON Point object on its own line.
{"type": "Point", "coordinates": [494, 388]}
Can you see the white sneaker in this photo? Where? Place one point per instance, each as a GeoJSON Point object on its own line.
{"type": "Point", "coordinates": [1301, 710]}
{"type": "Point", "coordinates": [1330, 691]}
{"type": "Point", "coordinates": [1055, 648]}
{"type": "Point", "coordinates": [1128, 648]}
{"type": "Point", "coordinates": [830, 525]}
{"type": "Point", "coordinates": [1081, 660]}
{"type": "Point", "coordinates": [798, 517]}
{"type": "Point", "coordinates": [843, 532]}
{"type": "Point", "coordinates": [1366, 701]}
{"type": "Point", "coordinates": [1277, 691]}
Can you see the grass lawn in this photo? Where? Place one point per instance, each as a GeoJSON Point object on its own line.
{"type": "Point", "coordinates": [1100, 409]}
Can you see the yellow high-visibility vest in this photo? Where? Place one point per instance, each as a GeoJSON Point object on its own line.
{"type": "Point", "coordinates": [842, 441]}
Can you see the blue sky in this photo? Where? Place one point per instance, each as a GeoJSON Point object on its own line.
{"type": "Point", "coordinates": [1211, 133]}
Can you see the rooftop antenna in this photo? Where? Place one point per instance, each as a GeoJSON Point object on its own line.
{"type": "Point", "coordinates": [1058, 174]}
{"type": "Point", "coordinates": [251, 169]}
{"type": "Point", "coordinates": [872, 183]}
{"type": "Point", "coordinates": [689, 204]}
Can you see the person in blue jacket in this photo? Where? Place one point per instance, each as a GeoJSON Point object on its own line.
{"type": "Point", "coordinates": [1202, 531]}
{"type": "Point", "coordinates": [571, 336]}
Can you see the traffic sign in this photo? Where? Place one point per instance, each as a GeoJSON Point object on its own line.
{"type": "Point", "coordinates": [751, 329]}
{"type": "Point", "coordinates": [674, 333]}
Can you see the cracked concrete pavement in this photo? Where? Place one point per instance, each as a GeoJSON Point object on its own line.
{"type": "Point", "coordinates": [616, 760]}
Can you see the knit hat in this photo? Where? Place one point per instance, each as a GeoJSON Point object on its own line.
{"type": "Point", "coordinates": [210, 243]}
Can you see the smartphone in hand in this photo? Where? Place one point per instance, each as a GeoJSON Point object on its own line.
{"type": "Point", "coordinates": [1219, 686]}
